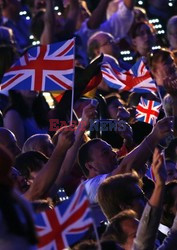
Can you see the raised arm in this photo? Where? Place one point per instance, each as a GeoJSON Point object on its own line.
{"type": "Point", "coordinates": [120, 22]}
{"type": "Point", "coordinates": [49, 23]}
{"type": "Point", "coordinates": [88, 114]}
{"type": "Point", "coordinates": [149, 223]}
{"type": "Point", "coordinates": [47, 175]}
{"type": "Point", "coordinates": [98, 15]}
{"type": "Point", "coordinates": [138, 157]}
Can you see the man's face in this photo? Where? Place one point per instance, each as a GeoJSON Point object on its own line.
{"type": "Point", "coordinates": [144, 39]}
{"type": "Point", "coordinates": [103, 158]}
{"type": "Point", "coordinates": [107, 45]}
{"type": "Point", "coordinates": [172, 36]}
{"type": "Point", "coordinates": [113, 108]}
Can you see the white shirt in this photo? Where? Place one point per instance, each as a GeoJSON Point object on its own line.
{"type": "Point", "coordinates": [118, 25]}
{"type": "Point", "coordinates": [92, 185]}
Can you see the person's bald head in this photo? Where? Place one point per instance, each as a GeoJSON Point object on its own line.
{"type": "Point", "coordinates": [101, 42]}
{"type": "Point", "coordinates": [39, 142]}
{"type": "Point", "coordinates": [9, 141]}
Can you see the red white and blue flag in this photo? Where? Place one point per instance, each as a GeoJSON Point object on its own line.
{"type": "Point", "coordinates": [66, 224]}
{"type": "Point", "coordinates": [42, 68]}
{"type": "Point", "coordinates": [148, 111]}
{"type": "Point", "coordinates": [137, 79]}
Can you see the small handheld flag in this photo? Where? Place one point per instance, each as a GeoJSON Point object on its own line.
{"type": "Point", "coordinates": [43, 68]}
{"type": "Point", "coordinates": [66, 224]}
{"type": "Point", "coordinates": [137, 79]}
{"type": "Point", "coordinates": [148, 111]}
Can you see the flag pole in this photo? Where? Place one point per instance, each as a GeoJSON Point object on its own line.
{"type": "Point", "coordinates": [166, 115]}
{"type": "Point", "coordinates": [161, 99]}
{"type": "Point", "coordinates": [96, 235]}
{"type": "Point", "coordinates": [72, 98]}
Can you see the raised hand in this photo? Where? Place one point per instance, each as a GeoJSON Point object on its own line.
{"type": "Point", "coordinates": [66, 138]}
{"type": "Point", "coordinates": [163, 128]}
{"type": "Point", "coordinates": [89, 113]}
{"type": "Point", "coordinates": [158, 167]}
{"type": "Point", "coordinates": [123, 114]}
{"type": "Point", "coordinates": [125, 130]}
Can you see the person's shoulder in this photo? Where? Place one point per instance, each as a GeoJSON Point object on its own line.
{"type": "Point", "coordinates": [12, 113]}
{"type": "Point", "coordinates": [97, 179]}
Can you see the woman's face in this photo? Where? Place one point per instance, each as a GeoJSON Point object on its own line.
{"type": "Point", "coordinates": [144, 39]}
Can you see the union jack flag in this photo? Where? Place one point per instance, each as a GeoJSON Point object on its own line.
{"type": "Point", "coordinates": [148, 111]}
{"type": "Point", "coordinates": [137, 79]}
{"type": "Point", "coordinates": [64, 225]}
{"type": "Point", "coordinates": [46, 67]}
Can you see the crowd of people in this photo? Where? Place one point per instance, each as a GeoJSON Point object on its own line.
{"type": "Point", "coordinates": [129, 173]}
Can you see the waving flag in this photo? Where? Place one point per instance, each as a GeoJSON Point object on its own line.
{"type": "Point", "coordinates": [137, 79]}
{"type": "Point", "coordinates": [65, 224]}
{"type": "Point", "coordinates": [46, 67]}
{"type": "Point", "coordinates": [148, 111]}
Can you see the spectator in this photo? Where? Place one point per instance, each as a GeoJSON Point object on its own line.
{"type": "Point", "coordinates": [17, 23]}
{"type": "Point", "coordinates": [98, 161]}
{"type": "Point", "coordinates": [17, 228]}
{"type": "Point", "coordinates": [172, 32]}
{"type": "Point", "coordinates": [121, 192]}
{"type": "Point", "coordinates": [162, 66]}
{"type": "Point", "coordinates": [39, 142]}
{"type": "Point", "coordinates": [20, 116]}
{"type": "Point", "coordinates": [9, 141]}
{"type": "Point", "coordinates": [29, 164]}
{"type": "Point", "coordinates": [143, 38]}
{"type": "Point", "coordinates": [122, 229]}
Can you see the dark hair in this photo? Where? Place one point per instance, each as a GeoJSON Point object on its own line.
{"type": "Point", "coordinates": [29, 162]}
{"type": "Point", "coordinates": [86, 245]}
{"type": "Point", "coordinates": [18, 103]}
{"type": "Point", "coordinates": [37, 24]}
{"type": "Point", "coordinates": [136, 28]}
{"type": "Point", "coordinates": [114, 230]}
{"type": "Point", "coordinates": [158, 55]}
{"type": "Point", "coordinates": [84, 154]}
{"type": "Point", "coordinates": [8, 54]}
{"type": "Point", "coordinates": [139, 14]}
{"type": "Point", "coordinates": [111, 97]}
{"type": "Point", "coordinates": [9, 200]}
{"type": "Point", "coordinates": [93, 245]}
{"type": "Point", "coordinates": [40, 109]}
{"type": "Point", "coordinates": [10, 215]}
{"type": "Point", "coordinates": [170, 151]}
{"type": "Point", "coordinates": [114, 193]}
{"type": "Point", "coordinates": [169, 200]}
